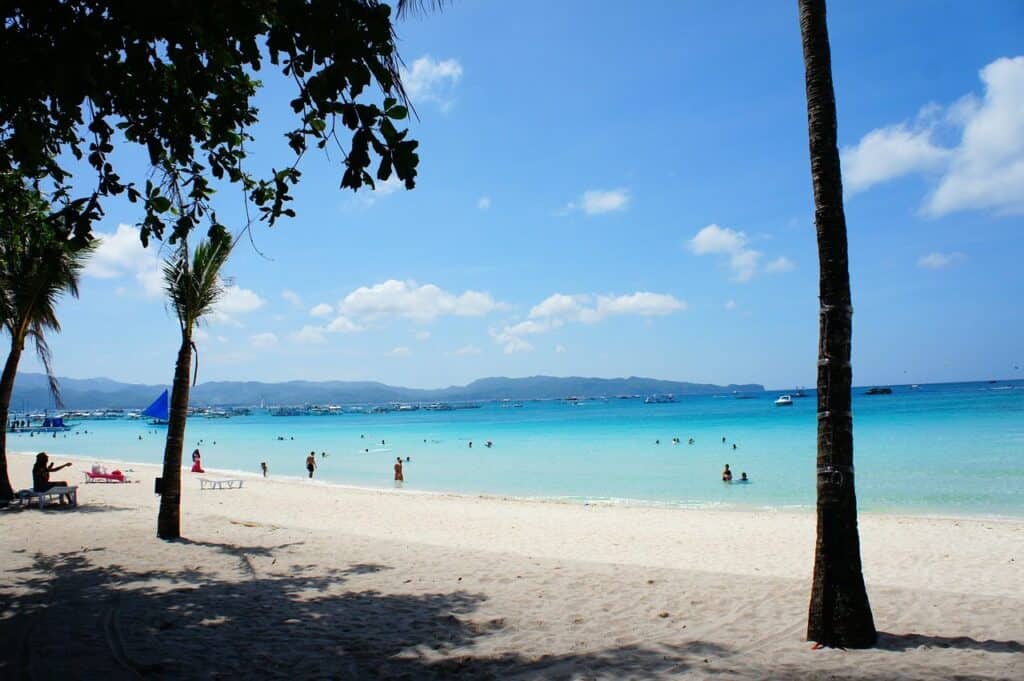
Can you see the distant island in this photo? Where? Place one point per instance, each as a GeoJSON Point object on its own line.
{"type": "Point", "coordinates": [31, 392]}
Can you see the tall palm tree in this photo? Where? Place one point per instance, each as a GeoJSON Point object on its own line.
{"type": "Point", "coordinates": [38, 265]}
{"type": "Point", "coordinates": [193, 286]}
{"type": "Point", "coordinates": [839, 613]}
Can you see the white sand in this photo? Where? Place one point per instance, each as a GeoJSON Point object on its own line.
{"type": "Point", "coordinates": [291, 579]}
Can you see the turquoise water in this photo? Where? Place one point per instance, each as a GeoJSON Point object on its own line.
{"type": "Point", "coordinates": [947, 449]}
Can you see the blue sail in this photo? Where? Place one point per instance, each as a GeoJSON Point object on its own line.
{"type": "Point", "coordinates": [159, 409]}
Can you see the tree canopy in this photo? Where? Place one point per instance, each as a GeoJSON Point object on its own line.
{"type": "Point", "coordinates": [177, 78]}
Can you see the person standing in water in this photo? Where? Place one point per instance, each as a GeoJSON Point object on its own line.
{"type": "Point", "coordinates": [727, 474]}
{"type": "Point", "coordinates": [311, 464]}
{"type": "Point", "coordinates": [263, 467]}
{"type": "Point", "coordinates": [399, 478]}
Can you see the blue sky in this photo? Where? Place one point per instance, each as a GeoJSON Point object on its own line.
{"type": "Point", "coordinates": [611, 190]}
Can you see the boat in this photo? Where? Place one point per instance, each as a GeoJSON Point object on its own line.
{"type": "Point", "coordinates": [159, 411]}
{"type": "Point", "coordinates": [659, 399]}
{"type": "Point", "coordinates": [879, 391]}
{"type": "Point", "coordinates": [784, 401]}
{"type": "Point", "coordinates": [800, 392]}
{"type": "Point", "coordinates": [50, 424]}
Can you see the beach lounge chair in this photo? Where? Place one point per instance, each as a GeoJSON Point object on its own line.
{"type": "Point", "coordinates": [209, 483]}
{"type": "Point", "coordinates": [27, 496]}
{"type": "Point", "coordinates": [113, 476]}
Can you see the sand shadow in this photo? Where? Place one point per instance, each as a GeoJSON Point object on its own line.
{"type": "Point", "coordinates": [72, 615]}
{"type": "Point", "coordinates": [903, 642]}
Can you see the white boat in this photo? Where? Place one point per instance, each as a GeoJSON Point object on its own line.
{"type": "Point", "coordinates": [784, 401]}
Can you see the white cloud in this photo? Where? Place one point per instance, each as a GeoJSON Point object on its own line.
{"type": "Point", "coordinates": [591, 309]}
{"type": "Point", "coordinates": [780, 264]}
{"type": "Point", "coordinates": [120, 254]}
{"type": "Point", "coordinates": [984, 170]}
{"type": "Point", "coordinates": [483, 203]}
{"type": "Point", "coordinates": [234, 302]}
{"type": "Point", "coordinates": [422, 335]}
{"type": "Point", "coordinates": [597, 201]}
{"type": "Point", "coordinates": [311, 335]}
{"type": "Point", "coordinates": [466, 350]}
{"type": "Point", "coordinates": [263, 340]}
{"type": "Point", "coordinates": [642, 303]}
{"type": "Point", "coordinates": [343, 324]}
{"type": "Point", "coordinates": [430, 80]}
{"type": "Point", "coordinates": [425, 303]}
{"type": "Point", "coordinates": [937, 261]}
{"type": "Point", "coordinates": [890, 152]}
{"type": "Point", "coordinates": [715, 239]}
{"type": "Point", "coordinates": [514, 345]}
{"type": "Point", "coordinates": [400, 351]}
{"type": "Point", "coordinates": [292, 297]}
{"type": "Point", "coordinates": [987, 170]}
{"type": "Point", "coordinates": [722, 240]}
{"type": "Point", "coordinates": [198, 334]}
{"type": "Point", "coordinates": [560, 308]}
{"type": "Point", "coordinates": [321, 310]}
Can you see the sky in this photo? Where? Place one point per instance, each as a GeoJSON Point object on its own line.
{"type": "Point", "coordinates": [609, 189]}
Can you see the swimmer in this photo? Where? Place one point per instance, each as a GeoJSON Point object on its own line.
{"type": "Point", "coordinates": [408, 458]}
{"type": "Point", "coordinates": [692, 440]}
{"type": "Point", "coordinates": [723, 439]}
{"type": "Point", "coordinates": [734, 445]}
{"type": "Point", "coordinates": [657, 442]}
{"type": "Point", "coordinates": [488, 444]}
{"type": "Point", "coordinates": [727, 474]}
{"type": "Point", "coordinates": [743, 477]}
{"type": "Point", "coordinates": [471, 444]}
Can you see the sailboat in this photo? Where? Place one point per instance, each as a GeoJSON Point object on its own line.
{"type": "Point", "coordinates": [158, 411]}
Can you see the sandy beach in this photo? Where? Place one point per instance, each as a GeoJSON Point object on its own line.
{"type": "Point", "coordinates": [306, 580]}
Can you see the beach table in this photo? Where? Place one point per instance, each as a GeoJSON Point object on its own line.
{"type": "Point", "coordinates": [209, 483]}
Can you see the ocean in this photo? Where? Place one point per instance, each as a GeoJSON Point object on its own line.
{"type": "Point", "coordinates": [946, 449]}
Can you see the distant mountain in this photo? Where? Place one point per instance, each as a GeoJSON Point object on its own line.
{"type": "Point", "coordinates": [30, 391]}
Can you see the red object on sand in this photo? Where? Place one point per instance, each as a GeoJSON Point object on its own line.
{"type": "Point", "coordinates": [113, 476]}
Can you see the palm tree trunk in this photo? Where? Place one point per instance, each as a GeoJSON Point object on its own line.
{"type": "Point", "coordinates": [6, 390]}
{"type": "Point", "coordinates": [839, 613]}
{"type": "Point", "coordinates": [168, 524]}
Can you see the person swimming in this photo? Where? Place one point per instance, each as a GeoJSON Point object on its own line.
{"type": "Point", "coordinates": [734, 445]}
{"type": "Point", "coordinates": [726, 474]}
{"type": "Point", "coordinates": [743, 477]}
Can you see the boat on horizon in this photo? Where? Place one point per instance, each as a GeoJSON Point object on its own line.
{"type": "Point", "coordinates": [879, 391]}
{"type": "Point", "coordinates": [784, 401]}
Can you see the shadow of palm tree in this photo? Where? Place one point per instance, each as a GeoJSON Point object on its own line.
{"type": "Point", "coordinates": [902, 642]}
{"type": "Point", "coordinates": [70, 614]}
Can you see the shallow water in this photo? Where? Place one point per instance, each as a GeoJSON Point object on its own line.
{"type": "Point", "coordinates": [947, 449]}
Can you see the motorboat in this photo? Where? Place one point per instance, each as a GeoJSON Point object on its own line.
{"type": "Point", "coordinates": [784, 401]}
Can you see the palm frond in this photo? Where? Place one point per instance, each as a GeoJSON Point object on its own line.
{"type": "Point", "coordinates": [193, 281]}
{"type": "Point", "coordinates": [407, 7]}
{"type": "Point", "coordinates": [46, 358]}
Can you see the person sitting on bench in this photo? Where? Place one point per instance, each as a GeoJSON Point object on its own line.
{"type": "Point", "coordinates": [41, 476]}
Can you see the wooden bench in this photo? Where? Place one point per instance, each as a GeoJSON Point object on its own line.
{"type": "Point", "coordinates": [206, 483]}
{"type": "Point", "coordinates": [27, 496]}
